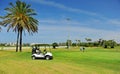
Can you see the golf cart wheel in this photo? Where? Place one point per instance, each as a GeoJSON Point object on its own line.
{"type": "Point", "coordinates": [47, 57]}
{"type": "Point", "coordinates": [33, 57]}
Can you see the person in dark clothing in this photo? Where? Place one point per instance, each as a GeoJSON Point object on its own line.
{"type": "Point", "coordinates": [33, 50]}
{"type": "Point", "coordinates": [82, 49]}
{"type": "Point", "coordinates": [44, 51]}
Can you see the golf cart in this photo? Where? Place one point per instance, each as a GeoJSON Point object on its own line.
{"type": "Point", "coordinates": [37, 54]}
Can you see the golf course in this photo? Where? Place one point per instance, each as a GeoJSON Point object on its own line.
{"type": "Point", "coordinates": [95, 60]}
{"type": "Point", "coordinates": [71, 37]}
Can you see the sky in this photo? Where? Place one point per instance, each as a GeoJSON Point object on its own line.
{"type": "Point", "coordinates": [93, 19]}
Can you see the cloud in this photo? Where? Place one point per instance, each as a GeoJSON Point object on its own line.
{"type": "Point", "coordinates": [49, 21]}
{"type": "Point", "coordinates": [78, 31]}
{"type": "Point", "coordinates": [61, 6]}
{"type": "Point", "coordinates": [108, 22]}
{"type": "Point", "coordinates": [91, 23]}
{"type": "Point", "coordinates": [51, 25]}
{"type": "Point", "coordinates": [114, 22]}
{"type": "Point", "coordinates": [83, 30]}
{"type": "Point", "coordinates": [75, 10]}
{"type": "Point", "coordinates": [60, 22]}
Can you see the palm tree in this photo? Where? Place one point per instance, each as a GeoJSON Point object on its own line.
{"type": "Point", "coordinates": [77, 42]}
{"type": "Point", "coordinates": [88, 41]}
{"type": "Point", "coordinates": [19, 17]}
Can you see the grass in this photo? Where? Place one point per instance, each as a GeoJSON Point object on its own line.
{"type": "Point", "coordinates": [92, 61]}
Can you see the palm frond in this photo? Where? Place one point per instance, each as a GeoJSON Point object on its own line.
{"type": "Point", "coordinates": [20, 15]}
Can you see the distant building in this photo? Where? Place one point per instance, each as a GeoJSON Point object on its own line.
{"type": "Point", "coordinates": [10, 44]}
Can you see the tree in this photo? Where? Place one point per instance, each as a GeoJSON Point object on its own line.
{"type": "Point", "coordinates": [0, 26]}
{"type": "Point", "coordinates": [110, 43]}
{"type": "Point", "coordinates": [19, 17]}
{"type": "Point", "coordinates": [100, 42]}
{"type": "Point", "coordinates": [54, 45]}
{"type": "Point", "coordinates": [77, 42]}
{"type": "Point", "coordinates": [73, 44]}
{"type": "Point", "coordinates": [88, 40]}
{"type": "Point", "coordinates": [68, 43]}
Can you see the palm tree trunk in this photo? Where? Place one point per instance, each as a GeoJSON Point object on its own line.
{"type": "Point", "coordinates": [21, 40]}
{"type": "Point", "coordinates": [17, 41]}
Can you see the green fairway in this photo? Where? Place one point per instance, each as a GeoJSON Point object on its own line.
{"type": "Point", "coordinates": [66, 61]}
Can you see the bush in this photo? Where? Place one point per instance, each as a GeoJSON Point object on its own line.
{"type": "Point", "coordinates": [54, 45]}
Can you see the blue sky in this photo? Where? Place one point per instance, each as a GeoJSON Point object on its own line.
{"type": "Point", "coordinates": [88, 19]}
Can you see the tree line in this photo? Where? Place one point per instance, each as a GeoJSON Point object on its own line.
{"type": "Point", "coordinates": [89, 43]}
